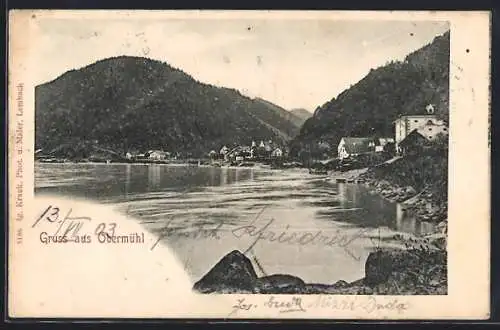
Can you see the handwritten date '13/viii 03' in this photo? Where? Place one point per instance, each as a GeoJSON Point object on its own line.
{"type": "Point", "coordinates": [71, 229]}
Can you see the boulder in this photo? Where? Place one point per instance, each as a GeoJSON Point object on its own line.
{"type": "Point", "coordinates": [279, 283]}
{"type": "Point", "coordinates": [233, 273]}
{"type": "Point", "coordinates": [378, 267]}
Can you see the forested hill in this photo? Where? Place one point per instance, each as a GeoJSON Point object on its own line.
{"type": "Point", "coordinates": [126, 103]}
{"type": "Point", "coordinates": [369, 107]}
{"type": "Point", "coordinates": [286, 115]}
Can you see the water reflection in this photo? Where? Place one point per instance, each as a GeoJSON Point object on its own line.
{"type": "Point", "coordinates": [128, 170]}
{"type": "Point", "coordinates": [229, 188]}
{"type": "Point", "coordinates": [223, 176]}
{"type": "Point", "coordinates": [407, 222]}
{"type": "Point", "coordinates": [369, 209]}
{"type": "Point", "coordinates": [101, 181]}
{"type": "Point", "coordinates": [154, 177]}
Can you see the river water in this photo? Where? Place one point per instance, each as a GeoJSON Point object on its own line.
{"type": "Point", "coordinates": [205, 212]}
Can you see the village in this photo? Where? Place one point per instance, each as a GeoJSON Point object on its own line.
{"type": "Point", "coordinates": [234, 155]}
{"type": "Point", "coordinates": [412, 134]}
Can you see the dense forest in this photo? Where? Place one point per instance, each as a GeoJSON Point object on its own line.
{"type": "Point", "coordinates": [369, 107]}
{"type": "Point", "coordinates": [132, 103]}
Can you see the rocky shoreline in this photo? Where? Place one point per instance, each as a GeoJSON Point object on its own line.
{"type": "Point", "coordinates": [414, 271]}
{"type": "Point", "coordinates": [421, 204]}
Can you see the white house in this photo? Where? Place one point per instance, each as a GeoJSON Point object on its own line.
{"type": "Point", "coordinates": [380, 143]}
{"type": "Point", "coordinates": [353, 146]}
{"type": "Point", "coordinates": [157, 154]}
{"type": "Point", "coordinates": [212, 154]}
{"type": "Point", "coordinates": [224, 150]}
{"type": "Point", "coordinates": [277, 153]}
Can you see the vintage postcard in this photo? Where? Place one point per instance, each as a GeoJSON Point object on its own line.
{"type": "Point", "coordinates": [249, 164]}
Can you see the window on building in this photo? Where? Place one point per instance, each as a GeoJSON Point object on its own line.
{"type": "Point", "coordinates": [445, 129]}
{"type": "Point", "coordinates": [429, 122]}
{"type": "Point", "coordinates": [430, 128]}
{"type": "Point", "coordinates": [416, 121]}
{"type": "Point", "coordinates": [430, 136]}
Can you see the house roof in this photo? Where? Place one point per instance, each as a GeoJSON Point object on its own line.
{"type": "Point", "coordinates": [357, 139]}
{"type": "Point", "coordinates": [161, 152]}
{"type": "Point", "coordinates": [356, 145]}
{"type": "Point", "coordinates": [413, 137]}
{"type": "Point", "coordinates": [239, 149]}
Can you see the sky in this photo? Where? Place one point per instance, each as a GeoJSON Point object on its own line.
{"type": "Point", "coordinates": [292, 63]}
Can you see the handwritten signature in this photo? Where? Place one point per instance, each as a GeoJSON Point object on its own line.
{"type": "Point", "coordinates": [282, 305]}
{"type": "Point", "coordinates": [289, 304]}
{"type": "Point", "coordinates": [298, 238]}
{"type": "Point", "coordinates": [264, 233]}
{"type": "Point", "coordinates": [368, 304]}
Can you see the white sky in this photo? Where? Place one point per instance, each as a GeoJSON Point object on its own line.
{"type": "Point", "coordinates": [293, 63]}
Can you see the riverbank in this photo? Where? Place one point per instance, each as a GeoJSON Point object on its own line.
{"type": "Point", "coordinates": [426, 199]}
{"type": "Point", "coordinates": [426, 204]}
{"type": "Point", "coordinates": [413, 271]}
{"type": "Point", "coordinates": [193, 162]}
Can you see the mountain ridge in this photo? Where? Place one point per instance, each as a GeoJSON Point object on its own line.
{"type": "Point", "coordinates": [129, 102]}
{"type": "Point", "coordinates": [369, 106]}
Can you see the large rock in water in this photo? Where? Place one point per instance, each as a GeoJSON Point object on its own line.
{"type": "Point", "coordinates": [234, 273]}
{"type": "Point", "coordinates": [378, 267]}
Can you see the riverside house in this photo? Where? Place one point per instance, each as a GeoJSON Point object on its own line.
{"type": "Point", "coordinates": [421, 137]}
{"type": "Point", "coordinates": [428, 125]}
{"type": "Point", "coordinates": [277, 153]}
{"type": "Point", "coordinates": [354, 146]}
{"type": "Point", "coordinates": [381, 143]}
{"type": "Point", "coordinates": [223, 151]}
{"type": "Point", "coordinates": [238, 154]}
{"type": "Point", "coordinates": [156, 155]}
{"type": "Point", "coordinates": [414, 142]}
